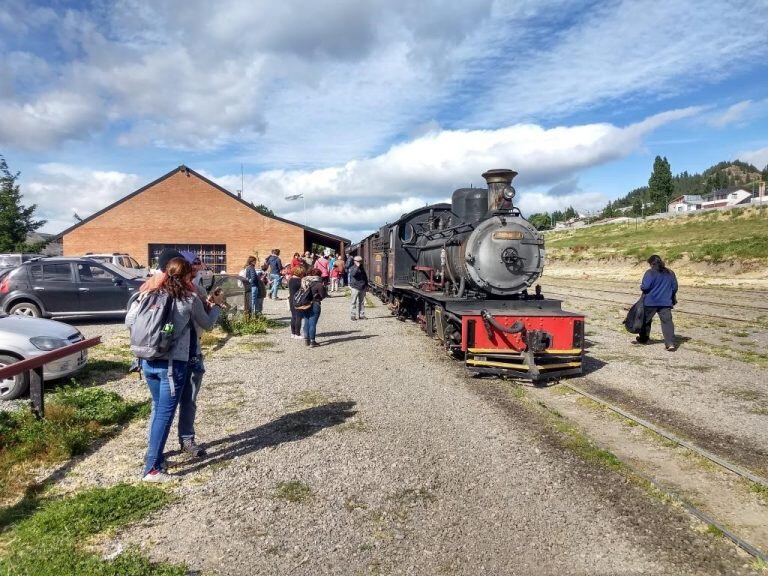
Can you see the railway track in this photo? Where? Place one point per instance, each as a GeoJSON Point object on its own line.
{"type": "Point", "coordinates": [679, 310]}
{"type": "Point", "coordinates": [722, 462]}
{"type": "Point", "coordinates": [710, 302]}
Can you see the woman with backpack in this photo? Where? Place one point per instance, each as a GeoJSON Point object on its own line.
{"type": "Point", "coordinates": [308, 300]}
{"type": "Point", "coordinates": [170, 309]}
{"type": "Point", "coordinates": [294, 285]}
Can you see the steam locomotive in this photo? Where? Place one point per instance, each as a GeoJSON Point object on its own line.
{"type": "Point", "coordinates": [464, 270]}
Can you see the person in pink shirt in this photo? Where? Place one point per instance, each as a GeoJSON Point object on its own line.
{"type": "Point", "coordinates": [334, 278]}
{"type": "Point", "coordinates": [322, 265]}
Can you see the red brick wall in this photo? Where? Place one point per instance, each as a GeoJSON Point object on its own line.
{"type": "Point", "coordinates": [180, 209]}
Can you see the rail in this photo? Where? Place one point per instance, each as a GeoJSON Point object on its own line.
{"type": "Point", "coordinates": [35, 365]}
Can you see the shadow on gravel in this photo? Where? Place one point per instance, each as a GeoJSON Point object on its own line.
{"type": "Point", "coordinates": [288, 428]}
{"type": "Point", "coordinates": [338, 333]}
{"type": "Point", "coordinates": [348, 339]}
{"type": "Point", "coordinates": [592, 365]}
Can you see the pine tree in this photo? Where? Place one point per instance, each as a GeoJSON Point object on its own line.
{"type": "Point", "coordinates": [660, 185]}
{"type": "Point", "coordinates": [15, 219]}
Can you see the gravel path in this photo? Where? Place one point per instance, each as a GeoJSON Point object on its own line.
{"type": "Point", "coordinates": [702, 390]}
{"type": "Point", "coordinates": [375, 454]}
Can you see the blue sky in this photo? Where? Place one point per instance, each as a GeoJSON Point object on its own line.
{"type": "Point", "coordinates": [373, 108]}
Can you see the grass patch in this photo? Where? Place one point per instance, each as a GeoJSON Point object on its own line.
{"type": "Point", "coordinates": [309, 399]}
{"type": "Point", "coordinates": [49, 540]}
{"type": "Point", "coordinates": [75, 417]}
{"type": "Point", "coordinates": [212, 339]}
{"type": "Point", "coordinates": [239, 324]}
{"type": "Point", "coordinates": [255, 346]}
{"type": "Point", "coordinates": [111, 352]}
{"type": "Point", "coordinates": [713, 530]}
{"type": "Point", "coordinates": [760, 490]}
{"type": "Point", "coordinates": [739, 237]}
{"type": "Point", "coordinates": [100, 370]}
{"type": "Point", "coordinates": [293, 491]}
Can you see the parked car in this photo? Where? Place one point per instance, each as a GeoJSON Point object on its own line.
{"type": "Point", "coordinates": [122, 260]}
{"type": "Point", "coordinates": [8, 261]}
{"type": "Point", "coordinates": [22, 338]}
{"type": "Point", "coordinates": [51, 287]}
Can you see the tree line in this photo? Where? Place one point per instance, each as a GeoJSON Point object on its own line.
{"type": "Point", "coordinates": [16, 220]}
{"type": "Point", "coordinates": [663, 187]}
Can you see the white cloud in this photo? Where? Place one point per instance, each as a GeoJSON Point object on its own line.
{"type": "Point", "coordinates": [731, 115]}
{"type": "Point", "coordinates": [62, 190]}
{"type": "Point", "coordinates": [620, 52]}
{"type": "Point", "coordinates": [357, 197]}
{"type": "Point", "coordinates": [289, 84]}
{"type": "Point", "coordinates": [758, 158]}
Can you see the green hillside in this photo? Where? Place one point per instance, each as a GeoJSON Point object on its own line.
{"type": "Point", "coordinates": [714, 236]}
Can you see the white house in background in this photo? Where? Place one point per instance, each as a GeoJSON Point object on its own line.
{"type": "Point", "coordinates": [722, 198]}
{"type": "Point", "coordinates": [685, 203]}
{"type": "Point", "coordinates": [726, 197]}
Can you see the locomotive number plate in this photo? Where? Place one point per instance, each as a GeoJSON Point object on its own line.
{"type": "Point", "coordinates": [508, 235]}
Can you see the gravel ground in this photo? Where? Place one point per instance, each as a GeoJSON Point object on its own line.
{"type": "Point", "coordinates": [399, 464]}
{"type": "Point", "coordinates": [720, 402]}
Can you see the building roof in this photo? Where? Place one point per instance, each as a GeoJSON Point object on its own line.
{"type": "Point", "coordinates": [187, 170]}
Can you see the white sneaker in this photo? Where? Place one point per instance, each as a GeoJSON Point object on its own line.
{"type": "Point", "coordinates": [157, 476]}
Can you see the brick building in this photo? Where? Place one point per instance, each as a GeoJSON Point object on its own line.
{"type": "Point", "coordinates": [186, 211]}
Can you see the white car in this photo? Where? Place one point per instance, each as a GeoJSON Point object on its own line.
{"type": "Point", "coordinates": [124, 262]}
{"type": "Point", "coordinates": [24, 337]}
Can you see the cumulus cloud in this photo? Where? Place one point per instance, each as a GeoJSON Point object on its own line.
{"type": "Point", "coordinates": [758, 158]}
{"type": "Point", "coordinates": [731, 115]}
{"type": "Point", "coordinates": [62, 190]}
{"type": "Point", "coordinates": [289, 84]}
{"type": "Point", "coordinates": [363, 194]}
{"type": "Point", "coordinates": [356, 197]}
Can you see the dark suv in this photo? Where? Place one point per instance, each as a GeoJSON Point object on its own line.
{"type": "Point", "coordinates": [66, 287]}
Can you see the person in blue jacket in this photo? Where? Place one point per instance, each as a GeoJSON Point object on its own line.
{"type": "Point", "coordinates": [659, 287]}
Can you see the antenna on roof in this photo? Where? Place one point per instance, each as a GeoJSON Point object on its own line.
{"type": "Point", "coordinates": [77, 217]}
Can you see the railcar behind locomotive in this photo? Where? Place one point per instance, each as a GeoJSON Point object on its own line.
{"type": "Point", "coordinates": [464, 270]}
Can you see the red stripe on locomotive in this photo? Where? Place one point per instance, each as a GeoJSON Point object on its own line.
{"type": "Point", "coordinates": [565, 335]}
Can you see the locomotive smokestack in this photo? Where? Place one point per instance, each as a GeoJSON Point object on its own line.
{"type": "Point", "coordinates": [500, 190]}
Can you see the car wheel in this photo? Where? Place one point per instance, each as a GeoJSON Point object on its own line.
{"type": "Point", "coordinates": [12, 388]}
{"type": "Point", "coordinates": [25, 309]}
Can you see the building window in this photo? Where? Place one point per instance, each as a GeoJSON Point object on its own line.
{"type": "Point", "coordinates": [213, 255]}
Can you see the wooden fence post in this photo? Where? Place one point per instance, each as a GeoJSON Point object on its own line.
{"type": "Point", "coordinates": [36, 396]}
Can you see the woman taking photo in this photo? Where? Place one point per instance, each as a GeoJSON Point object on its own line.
{"type": "Point", "coordinates": [166, 374]}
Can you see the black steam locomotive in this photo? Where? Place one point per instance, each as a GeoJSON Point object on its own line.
{"type": "Point", "coordinates": [464, 270]}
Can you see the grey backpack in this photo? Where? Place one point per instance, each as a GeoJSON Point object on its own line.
{"type": "Point", "coordinates": [152, 330]}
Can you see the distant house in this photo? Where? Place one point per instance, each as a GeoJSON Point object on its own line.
{"type": "Point", "coordinates": [723, 198]}
{"type": "Point", "coordinates": [726, 197]}
{"type": "Point", "coordinates": [686, 203]}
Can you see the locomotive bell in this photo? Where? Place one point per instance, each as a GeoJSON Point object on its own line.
{"type": "Point", "coordinates": [500, 190]}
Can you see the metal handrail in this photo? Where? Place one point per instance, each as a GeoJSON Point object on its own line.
{"type": "Point", "coordinates": [34, 366]}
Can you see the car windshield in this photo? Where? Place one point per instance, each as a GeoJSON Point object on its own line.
{"type": "Point", "coordinates": [112, 268]}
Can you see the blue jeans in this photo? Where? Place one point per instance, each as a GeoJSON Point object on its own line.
{"type": "Point", "coordinates": [311, 316]}
{"type": "Point", "coordinates": [257, 304]}
{"type": "Point", "coordinates": [276, 279]}
{"type": "Point", "coordinates": [163, 406]}
{"type": "Point", "coordinates": [188, 399]}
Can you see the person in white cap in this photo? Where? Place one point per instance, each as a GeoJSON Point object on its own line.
{"type": "Point", "coordinates": [358, 285]}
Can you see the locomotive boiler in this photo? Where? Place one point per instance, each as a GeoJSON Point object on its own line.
{"type": "Point", "coordinates": [464, 271]}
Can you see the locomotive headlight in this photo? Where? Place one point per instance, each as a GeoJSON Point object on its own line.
{"type": "Point", "coordinates": [509, 192]}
